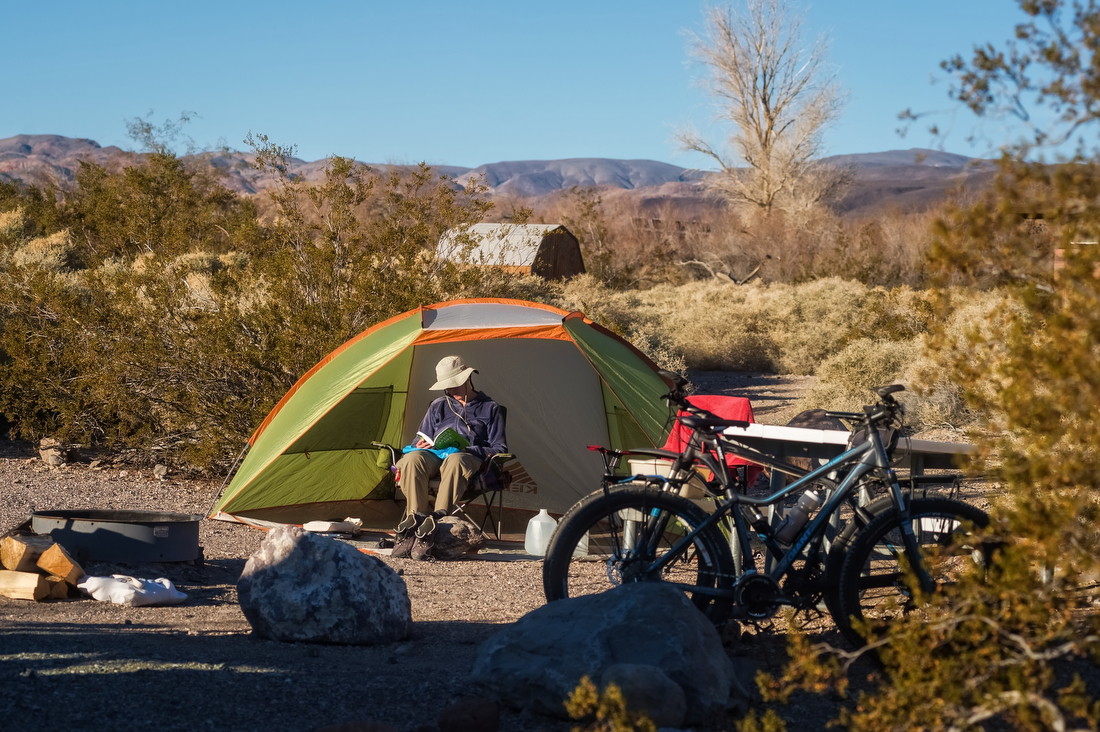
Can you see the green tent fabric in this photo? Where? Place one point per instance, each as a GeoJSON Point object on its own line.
{"type": "Point", "coordinates": [565, 381]}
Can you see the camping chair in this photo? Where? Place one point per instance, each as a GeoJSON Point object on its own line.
{"type": "Point", "coordinates": [490, 489]}
{"type": "Point", "coordinates": [726, 407]}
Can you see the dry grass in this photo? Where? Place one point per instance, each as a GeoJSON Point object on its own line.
{"type": "Point", "coordinates": [850, 336]}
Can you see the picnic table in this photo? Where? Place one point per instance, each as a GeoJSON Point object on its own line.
{"type": "Point", "coordinates": [790, 442]}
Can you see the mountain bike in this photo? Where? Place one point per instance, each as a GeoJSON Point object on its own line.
{"type": "Point", "coordinates": [640, 528]}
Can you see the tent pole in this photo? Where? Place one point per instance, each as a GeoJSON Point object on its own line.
{"type": "Point", "coordinates": [221, 490]}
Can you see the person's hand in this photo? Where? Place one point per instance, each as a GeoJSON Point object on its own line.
{"type": "Point", "coordinates": [421, 443]}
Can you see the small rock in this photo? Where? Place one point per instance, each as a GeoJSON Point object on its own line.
{"type": "Point", "coordinates": [95, 463]}
{"type": "Point", "coordinates": [160, 471]}
{"type": "Point", "coordinates": [123, 473]}
{"type": "Point", "coordinates": [470, 715]}
{"type": "Point", "coordinates": [455, 538]}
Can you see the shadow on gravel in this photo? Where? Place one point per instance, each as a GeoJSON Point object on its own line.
{"type": "Point", "coordinates": [68, 676]}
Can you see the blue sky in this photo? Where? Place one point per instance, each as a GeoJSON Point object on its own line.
{"type": "Point", "coordinates": [457, 83]}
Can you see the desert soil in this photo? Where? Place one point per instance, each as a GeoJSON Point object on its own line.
{"type": "Point", "coordinates": [83, 665]}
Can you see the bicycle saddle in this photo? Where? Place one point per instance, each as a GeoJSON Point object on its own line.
{"type": "Point", "coordinates": [698, 423]}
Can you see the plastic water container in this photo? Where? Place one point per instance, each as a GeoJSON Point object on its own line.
{"type": "Point", "coordinates": [582, 547]}
{"type": "Point", "coordinates": [539, 530]}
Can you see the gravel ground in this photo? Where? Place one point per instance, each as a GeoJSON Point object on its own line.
{"type": "Point", "coordinates": [84, 665]}
{"type": "Point", "coordinates": [81, 664]}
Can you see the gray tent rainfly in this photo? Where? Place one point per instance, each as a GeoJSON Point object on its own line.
{"type": "Point", "coordinates": [547, 250]}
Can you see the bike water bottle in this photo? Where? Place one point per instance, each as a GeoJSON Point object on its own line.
{"type": "Point", "coordinates": [797, 517]}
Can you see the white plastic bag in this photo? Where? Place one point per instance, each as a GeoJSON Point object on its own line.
{"type": "Point", "coordinates": [348, 526]}
{"type": "Point", "coordinates": [123, 590]}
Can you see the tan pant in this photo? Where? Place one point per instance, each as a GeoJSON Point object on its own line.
{"type": "Point", "coordinates": [420, 466]}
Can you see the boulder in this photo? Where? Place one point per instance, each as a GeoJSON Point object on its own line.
{"type": "Point", "coordinates": [536, 662]}
{"type": "Point", "coordinates": [358, 727]}
{"type": "Point", "coordinates": [301, 587]}
{"type": "Point", "coordinates": [470, 715]}
{"type": "Point", "coordinates": [455, 538]}
{"type": "Point", "coordinates": [648, 689]}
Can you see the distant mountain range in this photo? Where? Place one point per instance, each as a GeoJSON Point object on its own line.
{"type": "Point", "coordinates": [903, 179]}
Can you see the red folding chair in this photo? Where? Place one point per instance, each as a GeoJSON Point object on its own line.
{"type": "Point", "coordinates": [726, 407]}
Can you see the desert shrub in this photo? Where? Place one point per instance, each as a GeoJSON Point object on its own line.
{"type": "Point", "coordinates": [896, 314]}
{"type": "Point", "coordinates": [619, 249]}
{"type": "Point", "coordinates": [606, 710]}
{"type": "Point", "coordinates": [902, 318]}
{"type": "Point", "coordinates": [162, 314]}
{"type": "Point", "coordinates": [11, 226]}
{"type": "Point", "coordinates": [934, 399]}
{"type": "Point", "coordinates": [845, 379]}
{"type": "Point", "coordinates": [758, 327]}
{"type": "Point", "coordinates": [47, 252]}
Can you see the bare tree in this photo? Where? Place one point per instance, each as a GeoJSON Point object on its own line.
{"type": "Point", "coordinates": [778, 95]}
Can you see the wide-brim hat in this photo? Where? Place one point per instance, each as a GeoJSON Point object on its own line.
{"type": "Point", "coordinates": [450, 372]}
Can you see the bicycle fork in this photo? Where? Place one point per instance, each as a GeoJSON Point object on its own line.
{"type": "Point", "coordinates": [908, 535]}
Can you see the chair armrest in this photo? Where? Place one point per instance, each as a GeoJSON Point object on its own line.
{"type": "Point", "coordinates": [502, 457]}
{"type": "Point", "coordinates": [391, 448]}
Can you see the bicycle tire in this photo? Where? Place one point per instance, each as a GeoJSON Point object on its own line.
{"type": "Point", "coordinates": [871, 574]}
{"type": "Point", "coordinates": [609, 559]}
{"type": "Point", "coordinates": [838, 549]}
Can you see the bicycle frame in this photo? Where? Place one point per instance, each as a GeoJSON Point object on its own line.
{"type": "Point", "coordinates": [868, 457]}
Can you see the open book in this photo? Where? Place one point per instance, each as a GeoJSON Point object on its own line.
{"type": "Point", "coordinates": [446, 438]}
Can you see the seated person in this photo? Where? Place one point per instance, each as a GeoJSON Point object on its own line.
{"type": "Point", "coordinates": [470, 413]}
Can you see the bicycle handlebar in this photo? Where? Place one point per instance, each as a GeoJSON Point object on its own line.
{"type": "Point", "coordinates": [885, 411]}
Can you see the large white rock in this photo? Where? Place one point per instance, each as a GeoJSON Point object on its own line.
{"type": "Point", "coordinates": [536, 662]}
{"type": "Point", "coordinates": [301, 587]}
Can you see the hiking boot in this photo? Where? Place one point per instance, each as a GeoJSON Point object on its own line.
{"type": "Point", "coordinates": [426, 529]}
{"type": "Point", "coordinates": [406, 523]}
{"type": "Point", "coordinates": [438, 514]}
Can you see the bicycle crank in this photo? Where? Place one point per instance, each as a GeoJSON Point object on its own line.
{"type": "Point", "coordinates": [757, 594]}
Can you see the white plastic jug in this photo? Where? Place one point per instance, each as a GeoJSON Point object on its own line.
{"type": "Point", "coordinates": [582, 547]}
{"type": "Point", "coordinates": [539, 530]}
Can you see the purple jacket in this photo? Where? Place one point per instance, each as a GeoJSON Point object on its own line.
{"type": "Point", "coordinates": [480, 421]}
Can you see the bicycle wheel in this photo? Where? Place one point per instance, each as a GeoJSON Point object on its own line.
{"type": "Point", "coordinates": [838, 549]}
{"type": "Point", "coordinates": [613, 539]}
{"type": "Point", "coordinates": [872, 584]}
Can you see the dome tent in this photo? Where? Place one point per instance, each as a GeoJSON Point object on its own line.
{"type": "Point", "coordinates": [565, 381]}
